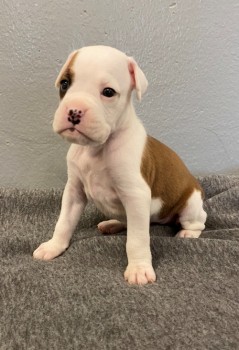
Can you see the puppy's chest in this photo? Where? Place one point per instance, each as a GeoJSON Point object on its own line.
{"type": "Point", "coordinates": [98, 185]}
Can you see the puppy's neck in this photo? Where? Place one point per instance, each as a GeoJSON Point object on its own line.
{"type": "Point", "coordinates": [128, 128]}
{"type": "Point", "coordinates": [127, 119]}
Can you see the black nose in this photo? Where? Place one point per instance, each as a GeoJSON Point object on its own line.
{"type": "Point", "coordinates": [74, 116]}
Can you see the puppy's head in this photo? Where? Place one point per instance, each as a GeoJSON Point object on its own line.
{"type": "Point", "coordinates": [95, 86]}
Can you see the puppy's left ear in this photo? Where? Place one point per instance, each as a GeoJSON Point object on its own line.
{"type": "Point", "coordinates": [139, 81]}
{"type": "Point", "coordinates": [64, 68]}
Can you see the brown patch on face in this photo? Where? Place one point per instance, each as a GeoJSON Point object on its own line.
{"type": "Point", "coordinates": [66, 73]}
{"type": "Point", "coordinates": [167, 176]}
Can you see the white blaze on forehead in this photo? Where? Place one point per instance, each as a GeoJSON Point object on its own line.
{"type": "Point", "coordinates": [104, 63]}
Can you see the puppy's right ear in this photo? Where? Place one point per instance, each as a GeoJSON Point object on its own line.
{"type": "Point", "coordinates": [65, 66]}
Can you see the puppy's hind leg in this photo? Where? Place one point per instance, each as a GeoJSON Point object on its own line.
{"type": "Point", "coordinates": [192, 218]}
{"type": "Point", "coordinates": [111, 226]}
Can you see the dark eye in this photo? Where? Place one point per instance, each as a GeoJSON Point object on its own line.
{"type": "Point", "coordinates": [108, 92]}
{"type": "Point", "coordinates": [64, 85]}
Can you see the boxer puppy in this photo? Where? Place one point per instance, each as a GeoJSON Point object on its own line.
{"type": "Point", "coordinates": [131, 177]}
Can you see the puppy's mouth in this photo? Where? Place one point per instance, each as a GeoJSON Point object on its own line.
{"type": "Point", "coordinates": [73, 132]}
{"type": "Point", "coordinates": [73, 129]}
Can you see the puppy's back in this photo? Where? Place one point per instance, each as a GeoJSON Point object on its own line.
{"type": "Point", "coordinates": [167, 176]}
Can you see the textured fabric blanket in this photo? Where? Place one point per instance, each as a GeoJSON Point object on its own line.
{"type": "Point", "coordinates": [80, 300]}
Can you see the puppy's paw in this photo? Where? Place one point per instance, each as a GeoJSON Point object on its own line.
{"type": "Point", "coordinates": [188, 234]}
{"type": "Point", "coordinates": [111, 226]}
{"type": "Point", "coordinates": [140, 274]}
{"type": "Point", "coordinates": [49, 250]}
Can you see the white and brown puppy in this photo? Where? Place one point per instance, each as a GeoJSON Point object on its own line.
{"type": "Point", "coordinates": [131, 177]}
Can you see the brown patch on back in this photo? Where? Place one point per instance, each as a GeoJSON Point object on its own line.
{"type": "Point", "coordinates": [167, 176]}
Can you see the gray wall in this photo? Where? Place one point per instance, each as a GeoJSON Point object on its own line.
{"type": "Point", "coordinates": [188, 49]}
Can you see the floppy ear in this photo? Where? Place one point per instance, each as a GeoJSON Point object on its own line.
{"type": "Point", "coordinates": [63, 69]}
{"type": "Point", "coordinates": [140, 83]}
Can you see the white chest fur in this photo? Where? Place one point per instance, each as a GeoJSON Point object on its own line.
{"type": "Point", "coordinates": [87, 166]}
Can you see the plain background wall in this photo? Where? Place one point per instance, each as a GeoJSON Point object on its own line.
{"type": "Point", "coordinates": [188, 49]}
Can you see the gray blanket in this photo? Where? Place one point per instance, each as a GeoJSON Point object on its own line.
{"type": "Point", "coordinates": [80, 300]}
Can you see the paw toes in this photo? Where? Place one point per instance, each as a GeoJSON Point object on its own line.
{"type": "Point", "coordinates": [188, 234]}
{"type": "Point", "coordinates": [48, 250]}
{"type": "Point", "coordinates": [140, 275]}
{"type": "Point", "coordinates": [42, 255]}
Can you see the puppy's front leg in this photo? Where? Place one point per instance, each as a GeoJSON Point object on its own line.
{"type": "Point", "coordinates": [137, 206]}
{"type": "Point", "coordinates": [73, 204]}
